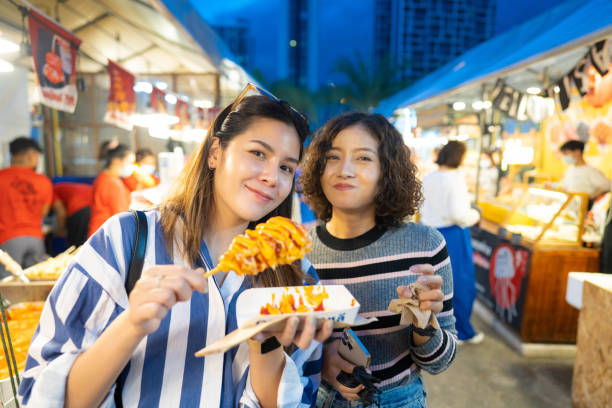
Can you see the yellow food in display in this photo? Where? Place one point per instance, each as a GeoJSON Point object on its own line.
{"type": "Point", "coordinates": [22, 323]}
{"type": "Point", "coordinates": [51, 268]}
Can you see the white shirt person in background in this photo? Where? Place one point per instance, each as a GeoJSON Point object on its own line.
{"type": "Point", "coordinates": [446, 207]}
{"type": "Point", "coordinates": [580, 176]}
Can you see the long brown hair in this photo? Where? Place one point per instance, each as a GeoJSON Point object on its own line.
{"type": "Point", "coordinates": [192, 200]}
{"type": "Point", "coordinates": [399, 190]}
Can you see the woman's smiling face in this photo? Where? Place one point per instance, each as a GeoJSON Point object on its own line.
{"type": "Point", "coordinates": [254, 173]}
{"type": "Point", "coordinates": [352, 171]}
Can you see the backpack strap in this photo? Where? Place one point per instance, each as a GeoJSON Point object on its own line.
{"type": "Point", "coordinates": [139, 247]}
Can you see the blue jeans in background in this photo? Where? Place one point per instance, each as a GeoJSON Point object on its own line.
{"type": "Point", "coordinates": [460, 252]}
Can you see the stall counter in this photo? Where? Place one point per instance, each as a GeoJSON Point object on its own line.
{"type": "Point", "coordinates": [525, 284]}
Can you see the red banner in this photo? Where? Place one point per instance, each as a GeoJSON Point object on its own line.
{"type": "Point", "coordinates": [158, 100]}
{"type": "Point", "coordinates": [122, 98]}
{"type": "Point", "coordinates": [54, 51]}
{"type": "Point", "coordinates": [206, 117]}
{"type": "Point", "coordinates": [181, 110]}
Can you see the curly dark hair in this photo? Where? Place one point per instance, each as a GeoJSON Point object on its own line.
{"type": "Point", "coordinates": [399, 193]}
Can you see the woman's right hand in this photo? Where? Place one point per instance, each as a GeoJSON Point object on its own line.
{"type": "Point", "coordinates": [333, 363]}
{"type": "Point", "coordinates": [159, 288]}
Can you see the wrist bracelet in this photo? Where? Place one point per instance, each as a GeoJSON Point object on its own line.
{"type": "Point", "coordinates": [269, 345]}
{"type": "Point", "coordinates": [429, 331]}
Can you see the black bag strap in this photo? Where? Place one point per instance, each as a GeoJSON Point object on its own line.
{"type": "Point", "coordinates": [138, 250]}
{"type": "Point", "coordinates": [139, 247]}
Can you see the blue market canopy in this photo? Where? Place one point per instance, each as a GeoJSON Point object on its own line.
{"type": "Point", "coordinates": [548, 45]}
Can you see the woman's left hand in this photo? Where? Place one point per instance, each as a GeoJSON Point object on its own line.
{"type": "Point", "coordinates": [269, 365]}
{"type": "Point", "coordinates": [431, 299]}
{"type": "Point", "coordinates": [303, 338]}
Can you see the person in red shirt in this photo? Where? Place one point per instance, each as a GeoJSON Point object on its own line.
{"type": "Point", "coordinates": [110, 195]}
{"type": "Point", "coordinates": [143, 176]}
{"type": "Point", "coordinates": [72, 207]}
{"type": "Point", "coordinates": [25, 200]}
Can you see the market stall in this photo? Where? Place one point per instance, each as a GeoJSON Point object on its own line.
{"type": "Point", "coordinates": [523, 261]}
{"type": "Point", "coordinates": [526, 92]}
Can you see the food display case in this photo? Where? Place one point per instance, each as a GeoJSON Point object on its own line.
{"type": "Point", "coordinates": [524, 248]}
{"type": "Point", "coordinates": [548, 217]}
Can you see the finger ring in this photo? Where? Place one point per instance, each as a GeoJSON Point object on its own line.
{"type": "Point", "coordinates": [159, 278]}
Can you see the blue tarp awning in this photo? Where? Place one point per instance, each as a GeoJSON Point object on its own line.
{"type": "Point", "coordinates": [573, 23]}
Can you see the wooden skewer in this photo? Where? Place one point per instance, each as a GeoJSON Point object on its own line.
{"type": "Point", "coordinates": [211, 272]}
{"type": "Point", "coordinates": [13, 267]}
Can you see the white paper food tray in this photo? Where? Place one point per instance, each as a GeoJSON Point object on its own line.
{"type": "Point", "coordinates": [340, 305]}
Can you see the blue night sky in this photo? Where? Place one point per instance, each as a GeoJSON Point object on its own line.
{"type": "Point", "coordinates": [345, 27]}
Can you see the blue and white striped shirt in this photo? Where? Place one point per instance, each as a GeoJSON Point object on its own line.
{"type": "Point", "coordinates": [163, 371]}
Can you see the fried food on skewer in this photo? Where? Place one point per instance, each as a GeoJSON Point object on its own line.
{"type": "Point", "coordinates": [275, 242]}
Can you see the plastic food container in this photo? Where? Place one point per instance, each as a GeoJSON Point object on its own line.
{"type": "Point", "coordinates": [339, 305]}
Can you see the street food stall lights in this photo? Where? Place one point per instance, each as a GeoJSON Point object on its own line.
{"type": "Point", "coordinates": [171, 99]}
{"type": "Point", "coordinates": [533, 90]}
{"type": "Point", "coordinates": [516, 153]}
{"type": "Point", "coordinates": [186, 135]}
{"type": "Point", "coordinates": [143, 86]}
{"type": "Point", "coordinates": [161, 85]}
{"type": "Point", "coordinates": [459, 106]}
{"type": "Point", "coordinates": [480, 105]}
{"type": "Point", "coordinates": [6, 66]}
{"type": "Point", "coordinates": [7, 47]}
{"type": "Point", "coordinates": [154, 120]}
{"type": "Point", "coordinates": [203, 103]}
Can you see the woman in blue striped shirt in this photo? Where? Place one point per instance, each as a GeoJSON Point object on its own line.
{"type": "Point", "coordinates": [93, 336]}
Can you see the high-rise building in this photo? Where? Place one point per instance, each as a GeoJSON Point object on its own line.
{"type": "Point", "coordinates": [236, 37]}
{"type": "Point", "coordinates": [422, 35]}
{"type": "Point", "coordinates": [300, 51]}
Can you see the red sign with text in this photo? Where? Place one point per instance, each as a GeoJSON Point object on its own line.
{"type": "Point", "coordinates": [122, 98]}
{"type": "Point", "coordinates": [54, 50]}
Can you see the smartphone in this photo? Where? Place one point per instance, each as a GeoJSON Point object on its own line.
{"type": "Point", "coordinates": [352, 350]}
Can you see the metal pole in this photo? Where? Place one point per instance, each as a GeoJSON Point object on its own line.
{"type": "Point", "coordinates": [482, 122]}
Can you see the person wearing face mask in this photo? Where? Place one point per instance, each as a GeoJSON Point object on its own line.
{"type": "Point", "coordinates": [143, 176]}
{"type": "Point", "coordinates": [26, 198]}
{"type": "Point", "coordinates": [581, 177]}
{"type": "Point", "coordinates": [110, 195]}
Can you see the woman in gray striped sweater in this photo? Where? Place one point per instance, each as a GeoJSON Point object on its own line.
{"type": "Point", "coordinates": [360, 181]}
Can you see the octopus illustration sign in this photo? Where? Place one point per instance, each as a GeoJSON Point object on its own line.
{"type": "Point", "coordinates": [502, 270]}
{"type": "Point", "coordinates": [54, 51]}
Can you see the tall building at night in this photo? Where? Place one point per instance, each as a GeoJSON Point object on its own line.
{"type": "Point", "coordinates": [236, 37]}
{"type": "Point", "coordinates": [422, 35]}
{"type": "Point", "coordinates": [298, 43]}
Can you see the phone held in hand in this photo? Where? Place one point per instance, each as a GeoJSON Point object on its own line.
{"type": "Point", "coordinates": [352, 350]}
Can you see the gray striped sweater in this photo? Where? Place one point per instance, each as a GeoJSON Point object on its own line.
{"type": "Point", "coordinates": [372, 266]}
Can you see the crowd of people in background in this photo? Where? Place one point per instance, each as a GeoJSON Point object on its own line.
{"type": "Point", "coordinates": [77, 209]}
